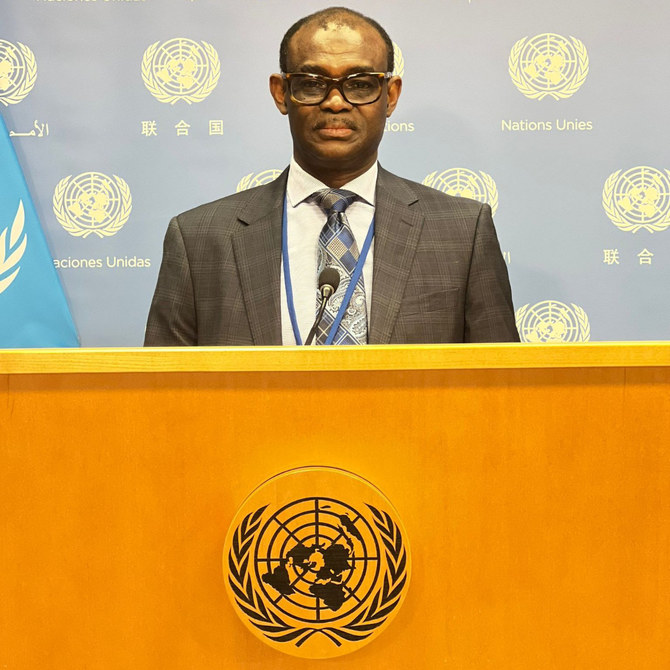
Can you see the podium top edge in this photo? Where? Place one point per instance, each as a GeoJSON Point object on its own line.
{"type": "Point", "coordinates": [323, 359]}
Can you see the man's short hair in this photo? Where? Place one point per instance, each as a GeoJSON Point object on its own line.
{"type": "Point", "coordinates": [341, 16]}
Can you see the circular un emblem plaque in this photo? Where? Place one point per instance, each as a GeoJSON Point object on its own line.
{"type": "Point", "coordinates": [316, 562]}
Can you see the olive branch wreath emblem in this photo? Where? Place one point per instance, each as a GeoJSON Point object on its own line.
{"type": "Point", "coordinates": [204, 88]}
{"type": "Point", "coordinates": [12, 250]}
{"type": "Point", "coordinates": [257, 179]}
{"type": "Point", "coordinates": [618, 220]}
{"type": "Point", "coordinates": [489, 186]}
{"type": "Point", "coordinates": [26, 85]}
{"type": "Point", "coordinates": [529, 91]}
{"type": "Point", "coordinates": [70, 224]}
{"type": "Point", "coordinates": [358, 628]}
{"type": "Point", "coordinates": [398, 61]}
{"type": "Point", "coordinates": [580, 315]}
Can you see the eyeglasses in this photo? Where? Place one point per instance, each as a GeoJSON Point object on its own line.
{"type": "Point", "coordinates": [360, 88]}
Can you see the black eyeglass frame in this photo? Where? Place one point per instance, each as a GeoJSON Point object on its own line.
{"type": "Point", "coordinates": [335, 82]}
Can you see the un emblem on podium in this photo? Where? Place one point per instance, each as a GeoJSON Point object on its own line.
{"type": "Point", "coordinates": [180, 69]}
{"type": "Point", "coordinates": [18, 72]}
{"type": "Point", "coordinates": [638, 198]}
{"type": "Point", "coordinates": [316, 562]}
{"type": "Point", "coordinates": [548, 65]}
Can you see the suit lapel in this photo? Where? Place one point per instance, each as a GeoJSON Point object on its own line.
{"type": "Point", "coordinates": [257, 249]}
{"type": "Point", "coordinates": [397, 232]}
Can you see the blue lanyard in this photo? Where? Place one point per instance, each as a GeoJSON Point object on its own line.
{"type": "Point", "coordinates": [350, 289]}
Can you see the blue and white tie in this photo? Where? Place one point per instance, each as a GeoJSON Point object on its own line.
{"type": "Point", "coordinates": [338, 249]}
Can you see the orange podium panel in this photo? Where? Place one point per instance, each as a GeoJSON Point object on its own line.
{"type": "Point", "coordinates": [531, 483]}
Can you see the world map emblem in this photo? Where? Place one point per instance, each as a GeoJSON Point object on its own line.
{"type": "Point", "coordinates": [92, 204]}
{"type": "Point", "coordinates": [258, 179]}
{"type": "Point", "coordinates": [548, 65]}
{"type": "Point", "coordinates": [466, 184]}
{"type": "Point", "coordinates": [316, 562]}
{"type": "Point", "coordinates": [180, 69]}
{"type": "Point", "coordinates": [552, 321]}
{"type": "Point", "coordinates": [18, 72]}
{"type": "Point", "coordinates": [638, 198]}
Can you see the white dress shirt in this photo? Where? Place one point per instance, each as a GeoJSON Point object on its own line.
{"type": "Point", "coordinates": [304, 223]}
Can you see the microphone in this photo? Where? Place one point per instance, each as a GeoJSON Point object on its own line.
{"type": "Point", "coordinates": [329, 280]}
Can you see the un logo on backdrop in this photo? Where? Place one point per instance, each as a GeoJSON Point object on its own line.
{"type": "Point", "coordinates": [552, 321]}
{"type": "Point", "coordinates": [316, 562]}
{"type": "Point", "coordinates": [13, 242]}
{"type": "Point", "coordinates": [252, 180]}
{"type": "Point", "coordinates": [465, 183]}
{"type": "Point", "coordinates": [398, 61]}
{"type": "Point", "coordinates": [18, 72]}
{"type": "Point", "coordinates": [548, 65]}
{"type": "Point", "coordinates": [638, 198]}
{"type": "Point", "coordinates": [92, 203]}
{"type": "Point", "coordinates": [180, 69]}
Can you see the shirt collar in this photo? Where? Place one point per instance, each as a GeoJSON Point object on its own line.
{"type": "Point", "coordinates": [301, 185]}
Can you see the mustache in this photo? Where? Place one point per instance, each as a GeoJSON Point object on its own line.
{"type": "Point", "coordinates": [335, 123]}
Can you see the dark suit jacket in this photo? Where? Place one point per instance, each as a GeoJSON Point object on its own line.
{"type": "Point", "coordinates": [438, 274]}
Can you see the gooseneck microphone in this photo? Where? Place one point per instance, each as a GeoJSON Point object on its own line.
{"type": "Point", "coordinates": [329, 280]}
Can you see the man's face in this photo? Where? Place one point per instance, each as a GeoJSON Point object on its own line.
{"type": "Point", "coordinates": [336, 141]}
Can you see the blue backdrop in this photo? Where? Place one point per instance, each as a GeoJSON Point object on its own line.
{"type": "Point", "coordinates": [124, 113]}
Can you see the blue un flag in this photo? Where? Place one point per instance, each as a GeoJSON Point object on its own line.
{"type": "Point", "coordinates": [33, 309]}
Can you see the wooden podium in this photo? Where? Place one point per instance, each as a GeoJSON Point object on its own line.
{"type": "Point", "coordinates": [533, 482]}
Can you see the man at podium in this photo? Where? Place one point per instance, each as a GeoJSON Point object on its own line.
{"type": "Point", "coordinates": [336, 250]}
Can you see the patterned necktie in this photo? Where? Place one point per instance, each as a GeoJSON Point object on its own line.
{"type": "Point", "coordinates": [338, 249]}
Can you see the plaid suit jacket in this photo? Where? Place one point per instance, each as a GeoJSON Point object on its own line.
{"type": "Point", "coordinates": [438, 273]}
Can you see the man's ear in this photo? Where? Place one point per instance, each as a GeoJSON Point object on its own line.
{"type": "Point", "coordinates": [278, 92]}
{"type": "Point", "coordinates": [394, 88]}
